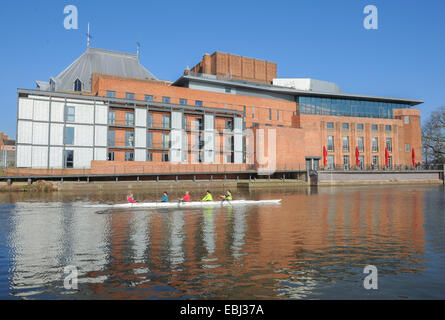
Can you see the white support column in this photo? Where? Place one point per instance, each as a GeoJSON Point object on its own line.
{"type": "Point", "coordinates": [238, 140]}
{"type": "Point", "coordinates": [209, 138]}
{"type": "Point", "coordinates": [176, 137]}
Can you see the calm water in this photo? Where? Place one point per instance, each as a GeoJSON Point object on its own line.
{"type": "Point", "coordinates": [314, 246]}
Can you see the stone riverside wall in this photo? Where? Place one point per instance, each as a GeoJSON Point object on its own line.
{"type": "Point", "coordinates": [333, 178]}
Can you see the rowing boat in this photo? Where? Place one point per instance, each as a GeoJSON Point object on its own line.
{"type": "Point", "coordinates": [184, 205]}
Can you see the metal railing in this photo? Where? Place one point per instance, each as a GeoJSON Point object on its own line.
{"type": "Point", "coordinates": [419, 167]}
{"type": "Point", "coordinates": [121, 123]}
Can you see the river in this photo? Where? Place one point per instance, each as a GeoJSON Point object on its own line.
{"type": "Point", "coordinates": [315, 245]}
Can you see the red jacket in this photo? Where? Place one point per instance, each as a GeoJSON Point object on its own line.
{"type": "Point", "coordinates": [131, 200]}
{"type": "Point", "coordinates": [186, 198]}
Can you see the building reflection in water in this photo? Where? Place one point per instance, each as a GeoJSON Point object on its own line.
{"type": "Point", "coordinates": [291, 251]}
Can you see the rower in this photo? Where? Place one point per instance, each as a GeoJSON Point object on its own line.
{"type": "Point", "coordinates": [130, 198]}
{"type": "Point", "coordinates": [164, 197]}
{"type": "Point", "coordinates": [208, 196]}
{"type": "Point", "coordinates": [185, 198]}
{"type": "Point", "coordinates": [227, 197]}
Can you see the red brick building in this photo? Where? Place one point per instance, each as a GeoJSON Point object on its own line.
{"type": "Point", "coordinates": [216, 114]}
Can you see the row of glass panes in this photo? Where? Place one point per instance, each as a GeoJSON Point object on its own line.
{"type": "Point", "coordinates": [360, 127]}
{"type": "Point", "coordinates": [129, 139]}
{"type": "Point", "coordinates": [148, 98]}
{"type": "Point", "coordinates": [347, 162]}
{"type": "Point", "coordinates": [129, 156]}
{"type": "Point", "coordinates": [360, 144]}
{"type": "Point", "coordinates": [348, 108]}
{"type": "Point", "coordinates": [166, 121]}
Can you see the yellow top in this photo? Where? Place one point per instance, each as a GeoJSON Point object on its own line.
{"type": "Point", "coordinates": [208, 197]}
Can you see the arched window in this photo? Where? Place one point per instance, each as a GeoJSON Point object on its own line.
{"type": "Point", "coordinates": [77, 85]}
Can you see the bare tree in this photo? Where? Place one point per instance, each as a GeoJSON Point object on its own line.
{"type": "Point", "coordinates": [433, 137]}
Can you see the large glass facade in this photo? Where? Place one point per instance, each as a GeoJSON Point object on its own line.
{"type": "Point", "coordinates": [348, 108]}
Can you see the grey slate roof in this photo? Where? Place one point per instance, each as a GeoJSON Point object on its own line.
{"type": "Point", "coordinates": [99, 61]}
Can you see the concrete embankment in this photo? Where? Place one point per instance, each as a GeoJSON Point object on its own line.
{"type": "Point", "coordinates": [373, 178]}
{"type": "Point", "coordinates": [323, 178]}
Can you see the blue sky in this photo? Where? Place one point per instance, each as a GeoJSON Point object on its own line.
{"type": "Point", "coordinates": [322, 39]}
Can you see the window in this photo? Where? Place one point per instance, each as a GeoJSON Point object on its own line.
{"type": "Point", "coordinates": [361, 144]}
{"type": "Point", "coordinates": [198, 103]}
{"type": "Point", "coordinates": [111, 138]}
{"type": "Point", "coordinates": [112, 117]}
{"type": "Point", "coordinates": [375, 161]}
{"type": "Point", "coordinates": [390, 162]}
{"type": "Point", "coordinates": [229, 158]}
{"type": "Point", "coordinates": [129, 119]}
{"type": "Point", "coordinates": [389, 144]}
{"type": "Point", "coordinates": [165, 157]}
{"type": "Point", "coordinates": [345, 126]}
{"type": "Point", "coordinates": [149, 140]}
{"type": "Point", "coordinates": [129, 96]}
{"type": "Point", "coordinates": [331, 164]}
{"type": "Point", "coordinates": [110, 156]}
{"type": "Point", "coordinates": [360, 126]}
{"type": "Point", "coordinates": [165, 141]}
{"type": "Point", "coordinates": [228, 90]}
{"type": "Point", "coordinates": [406, 119]}
{"type": "Point", "coordinates": [70, 113]}
{"type": "Point", "coordinates": [183, 101]}
{"type": "Point", "coordinates": [198, 124]}
{"type": "Point", "coordinates": [149, 157]}
{"type": "Point", "coordinates": [346, 162]}
{"type": "Point", "coordinates": [129, 138]}
{"type": "Point", "coordinates": [270, 114]}
{"type": "Point", "coordinates": [278, 115]}
{"type": "Point", "coordinates": [330, 125]}
{"type": "Point", "coordinates": [68, 159]}
{"type": "Point", "coordinates": [184, 122]}
{"type": "Point", "coordinates": [253, 112]}
{"type": "Point", "coordinates": [166, 122]}
{"type": "Point", "coordinates": [388, 128]}
{"type": "Point", "coordinates": [362, 162]}
{"type": "Point", "coordinates": [228, 144]}
{"type": "Point", "coordinates": [111, 94]}
{"type": "Point", "coordinates": [229, 124]}
{"type": "Point", "coordinates": [77, 85]}
{"type": "Point", "coordinates": [129, 156]}
{"type": "Point", "coordinates": [331, 143]}
{"type": "Point", "coordinates": [244, 111]}
{"type": "Point", "coordinates": [69, 136]}
{"type": "Point", "coordinates": [150, 120]}
{"type": "Point", "coordinates": [165, 99]}
{"type": "Point", "coordinates": [375, 145]}
{"type": "Point", "coordinates": [345, 144]}
{"type": "Point", "coordinates": [148, 98]}
{"type": "Point", "coordinates": [374, 127]}
{"type": "Point", "coordinates": [348, 108]}
{"type": "Point", "coordinates": [407, 147]}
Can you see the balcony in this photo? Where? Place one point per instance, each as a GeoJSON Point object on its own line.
{"type": "Point", "coordinates": [159, 146]}
{"type": "Point", "coordinates": [159, 125]}
{"type": "Point", "coordinates": [121, 123]}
